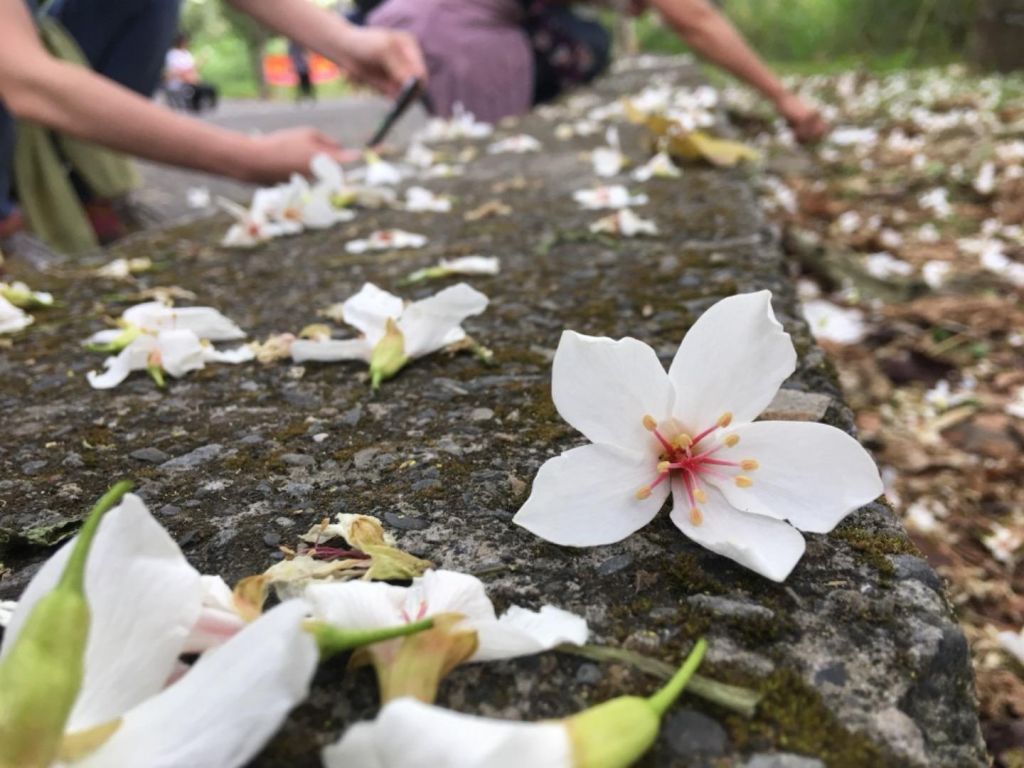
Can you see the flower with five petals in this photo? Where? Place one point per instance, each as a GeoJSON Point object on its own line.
{"type": "Point", "coordinates": [741, 488]}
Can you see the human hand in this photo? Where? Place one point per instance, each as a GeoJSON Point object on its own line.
{"type": "Point", "coordinates": [383, 59]}
{"type": "Point", "coordinates": [274, 157]}
{"type": "Point", "coordinates": [807, 123]}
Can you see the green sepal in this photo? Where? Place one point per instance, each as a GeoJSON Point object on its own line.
{"type": "Point", "coordinates": [617, 733]}
{"type": "Point", "coordinates": [333, 640]}
{"type": "Point", "coordinates": [41, 675]}
{"type": "Point", "coordinates": [122, 340]}
{"type": "Point", "coordinates": [388, 356]}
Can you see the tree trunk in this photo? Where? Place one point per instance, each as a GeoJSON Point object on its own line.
{"type": "Point", "coordinates": [999, 34]}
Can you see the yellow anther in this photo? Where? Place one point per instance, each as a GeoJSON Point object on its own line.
{"type": "Point", "coordinates": [742, 481]}
{"type": "Point", "coordinates": [700, 496]}
{"type": "Point", "coordinates": [731, 440]}
{"type": "Point", "coordinates": [683, 441]}
{"type": "Point", "coordinates": [725, 419]}
{"type": "Point", "coordinates": [649, 423]}
{"type": "Point", "coordinates": [749, 464]}
{"type": "Point", "coordinates": [643, 493]}
{"type": "Point", "coordinates": [696, 516]}
{"type": "Point", "coordinates": [663, 467]}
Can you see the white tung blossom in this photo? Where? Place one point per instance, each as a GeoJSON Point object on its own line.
{"type": "Point", "coordinates": [159, 338]}
{"type": "Point", "coordinates": [608, 197]}
{"type": "Point", "coordinates": [515, 145]}
{"type": "Point", "coordinates": [375, 605]}
{"type": "Point", "coordinates": [741, 488]}
{"type": "Point", "coordinates": [386, 240]}
{"type": "Point", "coordinates": [625, 223]}
{"type": "Point", "coordinates": [395, 333]}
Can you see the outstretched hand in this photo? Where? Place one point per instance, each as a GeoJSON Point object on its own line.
{"type": "Point", "coordinates": [806, 122]}
{"type": "Point", "coordinates": [384, 59]}
{"type": "Point", "coordinates": [274, 157]}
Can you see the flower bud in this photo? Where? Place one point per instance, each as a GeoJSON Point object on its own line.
{"type": "Point", "coordinates": [616, 733]}
{"type": "Point", "coordinates": [41, 675]}
{"type": "Point", "coordinates": [388, 356]}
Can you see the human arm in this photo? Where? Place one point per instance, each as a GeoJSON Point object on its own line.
{"type": "Point", "coordinates": [710, 34]}
{"type": "Point", "coordinates": [37, 87]}
{"type": "Point", "coordinates": [381, 58]}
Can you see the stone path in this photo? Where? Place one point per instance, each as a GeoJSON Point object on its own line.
{"type": "Point", "coordinates": [858, 654]}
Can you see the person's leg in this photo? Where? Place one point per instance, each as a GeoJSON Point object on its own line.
{"type": "Point", "coordinates": [125, 40]}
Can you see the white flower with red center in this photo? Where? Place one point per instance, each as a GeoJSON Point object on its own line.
{"type": "Point", "coordinates": [158, 338]}
{"type": "Point", "coordinates": [612, 197]}
{"type": "Point", "coordinates": [395, 333]}
{"type": "Point", "coordinates": [741, 488]}
{"type": "Point", "coordinates": [386, 240]}
{"type": "Point", "coordinates": [466, 628]}
{"type": "Point", "coordinates": [624, 223]}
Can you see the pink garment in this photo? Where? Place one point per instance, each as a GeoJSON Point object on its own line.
{"type": "Point", "coordinates": [476, 52]}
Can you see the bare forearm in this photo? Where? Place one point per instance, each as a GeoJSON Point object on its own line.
{"type": "Point", "coordinates": [711, 35]}
{"type": "Point", "coordinates": [320, 30]}
{"type": "Point", "coordinates": [75, 101]}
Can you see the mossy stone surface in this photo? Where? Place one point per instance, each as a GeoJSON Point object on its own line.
{"type": "Point", "coordinates": [859, 655]}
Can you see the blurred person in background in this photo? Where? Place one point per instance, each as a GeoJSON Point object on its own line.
{"type": "Point", "coordinates": [124, 43]}
{"type": "Point", "coordinates": [182, 81]}
{"type": "Point", "coordinates": [300, 63]}
{"type": "Point", "coordinates": [500, 57]}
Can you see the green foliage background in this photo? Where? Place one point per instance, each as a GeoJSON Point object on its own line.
{"type": "Point", "coordinates": [795, 35]}
{"type": "Point", "coordinates": [828, 34]}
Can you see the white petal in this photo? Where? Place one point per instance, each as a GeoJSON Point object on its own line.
{"type": "Point", "coordinates": [330, 350]}
{"type": "Point", "coordinates": [733, 359]}
{"type": "Point", "coordinates": [520, 632]}
{"type": "Point", "coordinates": [327, 171]}
{"type": "Point", "coordinates": [206, 323]}
{"type": "Point", "coordinates": [811, 474]}
{"type": "Point", "coordinates": [451, 592]}
{"type": "Point", "coordinates": [218, 620]}
{"type": "Point", "coordinates": [144, 599]}
{"type": "Point", "coordinates": [226, 707]}
{"type": "Point", "coordinates": [150, 315]}
{"type": "Point", "coordinates": [604, 388]}
{"type": "Point", "coordinates": [357, 604]}
{"type": "Point", "coordinates": [587, 497]}
{"type": "Point", "coordinates": [370, 309]}
{"type": "Point", "coordinates": [410, 734]}
{"type": "Point", "coordinates": [242, 354]}
{"type": "Point", "coordinates": [428, 324]}
{"type": "Point", "coordinates": [472, 265]}
{"type": "Point", "coordinates": [764, 545]}
{"type": "Point", "coordinates": [105, 336]}
{"type": "Point", "coordinates": [118, 368]}
{"type": "Point", "coordinates": [180, 352]}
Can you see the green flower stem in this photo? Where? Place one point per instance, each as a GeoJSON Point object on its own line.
{"type": "Point", "coordinates": [665, 697]}
{"type": "Point", "coordinates": [333, 640]}
{"type": "Point", "coordinates": [742, 701]}
{"type": "Point", "coordinates": [73, 578]}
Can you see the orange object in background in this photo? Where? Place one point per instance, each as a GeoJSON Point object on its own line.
{"type": "Point", "coordinates": [278, 70]}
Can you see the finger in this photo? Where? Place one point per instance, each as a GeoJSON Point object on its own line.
{"type": "Point", "coordinates": [415, 64]}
